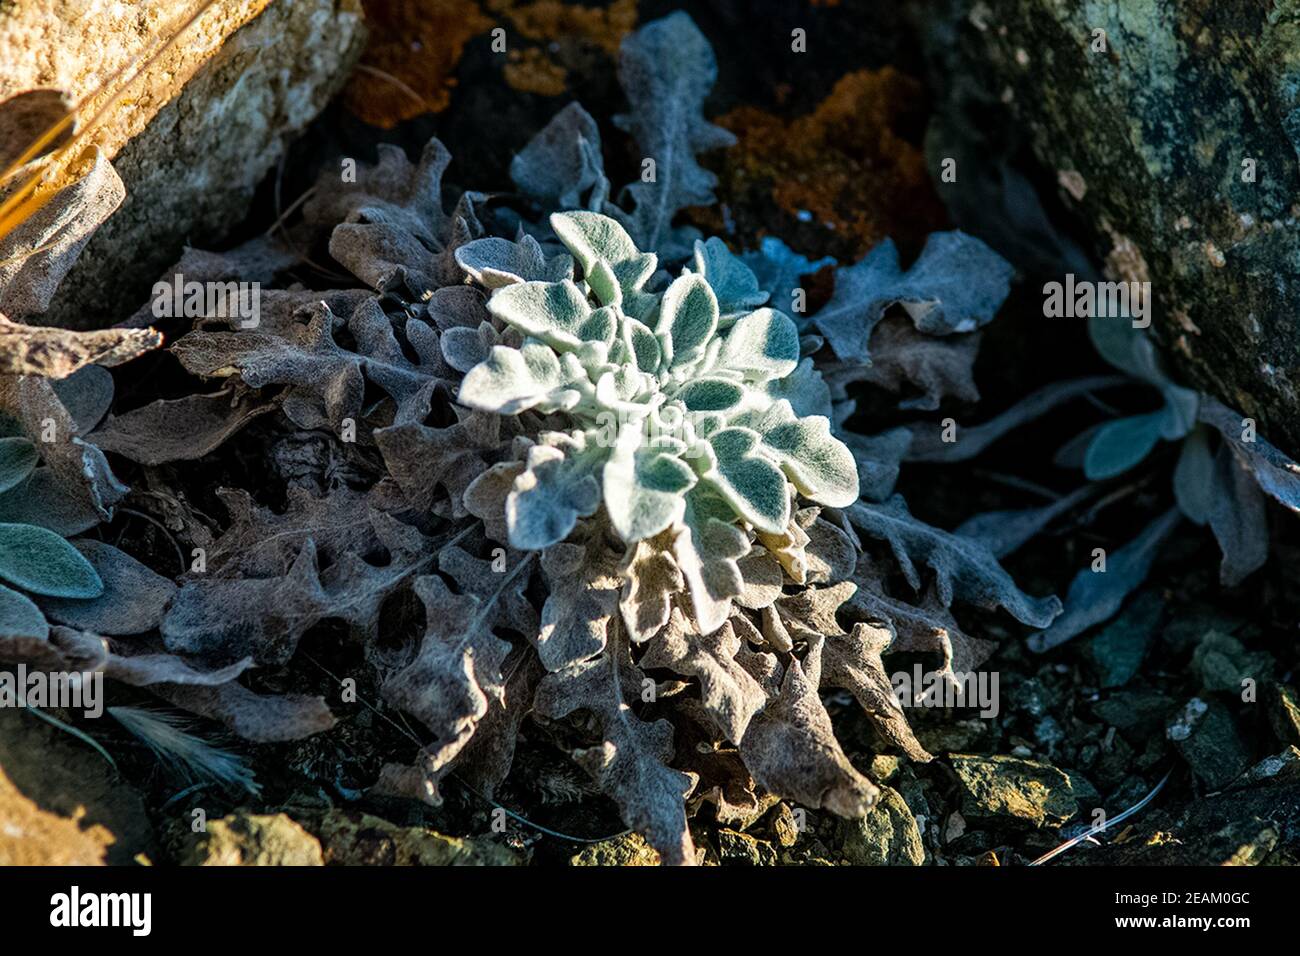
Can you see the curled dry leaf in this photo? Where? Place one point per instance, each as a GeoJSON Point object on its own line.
{"type": "Point", "coordinates": [790, 747]}
{"type": "Point", "coordinates": [454, 674]}
{"type": "Point", "coordinates": [57, 353]}
{"type": "Point", "coordinates": [37, 254]}
{"type": "Point", "coordinates": [730, 695]}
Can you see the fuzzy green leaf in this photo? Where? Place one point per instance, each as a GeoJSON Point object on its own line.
{"type": "Point", "coordinates": [1119, 445]}
{"type": "Point", "coordinates": [495, 262]}
{"type": "Point", "coordinates": [17, 459]}
{"type": "Point", "coordinates": [711, 395]}
{"type": "Point", "coordinates": [763, 345]}
{"type": "Point", "coordinates": [644, 488]}
{"type": "Point", "coordinates": [555, 312]}
{"type": "Point", "coordinates": [732, 281]}
{"type": "Point", "coordinates": [19, 617]}
{"type": "Point", "coordinates": [688, 317]}
{"type": "Point", "coordinates": [514, 380]}
{"type": "Point", "coordinates": [753, 485]}
{"type": "Point", "coordinates": [40, 561]}
{"type": "Point", "coordinates": [593, 239]}
{"type": "Point", "coordinates": [818, 463]}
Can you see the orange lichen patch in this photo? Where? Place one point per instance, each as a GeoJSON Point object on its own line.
{"type": "Point", "coordinates": [842, 177]}
{"type": "Point", "coordinates": [414, 46]}
{"type": "Point", "coordinates": [553, 20]}
{"type": "Point", "coordinates": [532, 71]}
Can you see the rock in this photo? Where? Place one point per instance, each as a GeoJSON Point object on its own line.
{"type": "Point", "coordinates": [950, 736]}
{"type": "Point", "coordinates": [785, 826]}
{"type": "Point", "coordinates": [1282, 768]}
{"type": "Point", "coordinates": [1206, 736]}
{"type": "Point", "coordinates": [1086, 795]}
{"type": "Point", "coordinates": [887, 836]}
{"type": "Point", "coordinates": [1224, 663]}
{"type": "Point", "coordinates": [884, 767]}
{"type": "Point", "coordinates": [60, 802]}
{"type": "Point", "coordinates": [1117, 651]}
{"type": "Point", "coordinates": [359, 839]}
{"type": "Point", "coordinates": [251, 839]}
{"type": "Point", "coordinates": [742, 849]}
{"type": "Point", "coordinates": [1284, 714]}
{"type": "Point", "coordinates": [1173, 127]}
{"type": "Point", "coordinates": [630, 849]}
{"type": "Point", "coordinates": [1011, 790]}
{"type": "Point", "coordinates": [1136, 714]}
{"type": "Point", "coordinates": [193, 135]}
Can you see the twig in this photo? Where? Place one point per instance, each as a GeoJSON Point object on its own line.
{"type": "Point", "coordinates": [1101, 827]}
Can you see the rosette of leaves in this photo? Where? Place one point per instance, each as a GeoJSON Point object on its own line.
{"type": "Point", "coordinates": [681, 411]}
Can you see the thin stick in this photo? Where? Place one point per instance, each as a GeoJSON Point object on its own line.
{"type": "Point", "coordinates": [1101, 827]}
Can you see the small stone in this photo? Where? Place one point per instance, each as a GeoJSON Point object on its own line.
{"type": "Point", "coordinates": [1205, 734]}
{"type": "Point", "coordinates": [785, 826]}
{"type": "Point", "coordinates": [1010, 789]}
{"type": "Point", "coordinates": [887, 836]}
{"type": "Point", "coordinates": [1049, 732]}
{"type": "Point", "coordinates": [742, 849]}
{"type": "Point", "coordinates": [359, 839]}
{"type": "Point", "coordinates": [251, 839]}
{"type": "Point", "coordinates": [1085, 794]}
{"type": "Point", "coordinates": [1137, 714]}
{"type": "Point", "coordinates": [955, 828]}
{"type": "Point", "coordinates": [883, 768]}
{"type": "Point", "coordinates": [1281, 768]}
{"type": "Point", "coordinates": [955, 736]}
{"type": "Point", "coordinates": [1224, 663]}
{"type": "Point", "coordinates": [630, 849]}
{"type": "Point", "coordinates": [1284, 714]}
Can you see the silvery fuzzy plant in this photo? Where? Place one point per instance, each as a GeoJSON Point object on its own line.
{"type": "Point", "coordinates": [686, 412]}
{"type": "Point", "coordinates": [600, 410]}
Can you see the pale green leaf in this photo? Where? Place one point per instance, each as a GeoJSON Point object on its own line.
{"type": "Point", "coordinates": [688, 317]}
{"type": "Point", "coordinates": [763, 345]}
{"type": "Point", "coordinates": [514, 380]}
{"type": "Point", "coordinates": [19, 617]}
{"type": "Point", "coordinates": [817, 462]}
{"type": "Point", "coordinates": [593, 238]}
{"type": "Point", "coordinates": [40, 561]}
{"type": "Point", "coordinates": [18, 458]}
{"type": "Point", "coordinates": [555, 312]}
{"type": "Point", "coordinates": [1119, 445]}
{"type": "Point", "coordinates": [645, 488]}
{"type": "Point", "coordinates": [750, 483]}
